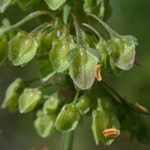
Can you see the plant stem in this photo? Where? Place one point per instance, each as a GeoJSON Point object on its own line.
{"type": "Point", "coordinates": [108, 29]}
{"type": "Point", "coordinates": [67, 140]}
{"type": "Point", "coordinates": [93, 29]}
{"type": "Point", "coordinates": [26, 19]}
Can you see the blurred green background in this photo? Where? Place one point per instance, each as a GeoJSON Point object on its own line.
{"type": "Point", "coordinates": [129, 17]}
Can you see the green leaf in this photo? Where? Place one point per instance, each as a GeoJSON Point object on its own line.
{"type": "Point", "coordinates": [51, 104]}
{"type": "Point", "coordinates": [3, 51]}
{"type": "Point", "coordinates": [44, 125]}
{"type": "Point", "coordinates": [59, 52]}
{"type": "Point", "coordinates": [46, 70]}
{"type": "Point", "coordinates": [82, 69]}
{"type": "Point", "coordinates": [22, 48]}
{"type": "Point", "coordinates": [68, 118]}
{"type": "Point", "coordinates": [12, 94]}
{"type": "Point", "coordinates": [29, 99]}
{"type": "Point", "coordinates": [83, 104]}
{"type": "Point", "coordinates": [54, 4]}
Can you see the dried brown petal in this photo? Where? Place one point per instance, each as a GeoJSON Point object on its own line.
{"type": "Point", "coordinates": [110, 133]}
{"type": "Point", "coordinates": [140, 108]}
{"type": "Point", "coordinates": [97, 73]}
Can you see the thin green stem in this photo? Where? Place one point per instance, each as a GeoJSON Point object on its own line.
{"type": "Point", "coordinates": [94, 30]}
{"type": "Point", "coordinates": [120, 98]}
{"type": "Point", "coordinates": [108, 29]}
{"type": "Point", "coordinates": [76, 97]}
{"type": "Point", "coordinates": [26, 19]}
{"type": "Point", "coordinates": [67, 140]}
{"type": "Point", "coordinates": [78, 31]}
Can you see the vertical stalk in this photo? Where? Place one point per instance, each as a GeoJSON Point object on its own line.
{"type": "Point", "coordinates": [67, 140]}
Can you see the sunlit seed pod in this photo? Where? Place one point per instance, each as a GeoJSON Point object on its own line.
{"type": "Point", "coordinates": [44, 125]}
{"type": "Point", "coordinates": [98, 73]}
{"type": "Point", "coordinates": [140, 108]}
{"type": "Point", "coordinates": [22, 48]}
{"type": "Point", "coordinates": [29, 99]}
{"type": "Point", "coordinates": [68, 118]}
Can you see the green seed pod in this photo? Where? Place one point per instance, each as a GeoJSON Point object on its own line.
{"type": "Point", "coordinates": [68, 118]}
{"type": "Point", "coordinates": [82, 69]}
{"type": "Point", "coordinates": [51, 104]}
{"type": "Point", "coordinates": [29, 99]}
{"type": "Point", "coordinates": [44, 125]}
{"type": "Point", "coordinates": [59, 52]}
{"type": "Point", "coordinates": [53, 4]}
{"type": "Point", "coordinates": [12, 94]}
{"type": "Point", "coordinates": [103, 119]}
{"type": "Point", "coordinates": [22, 48]}
{"type": "Point", "coordinates": [3, 51]}
{"type": "Point", "coordinates": [83, 104]}
{"type": "Point", "coordinates": [122, 50]}
{"type": "Point", "coordinates": [46, 40]}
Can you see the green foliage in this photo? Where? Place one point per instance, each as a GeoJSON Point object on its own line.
{"type": "Point", "coordinates": [70, 52]}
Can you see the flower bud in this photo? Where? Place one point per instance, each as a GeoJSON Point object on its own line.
{"type": "Point", "coordinates": [44, 125]}
{"type": "Point", "coordinates": [12, 94]}
{"type": "Point", "coordinates": [51, 104]}
{"type": "Point", "coordinates": [83, 104]}
{"type": "Point", "coordinates": [22, 48]}
{"type": "Point", "coordinates": [68, 118]}
{"type": "Point", "coordinates": [29, 99]}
